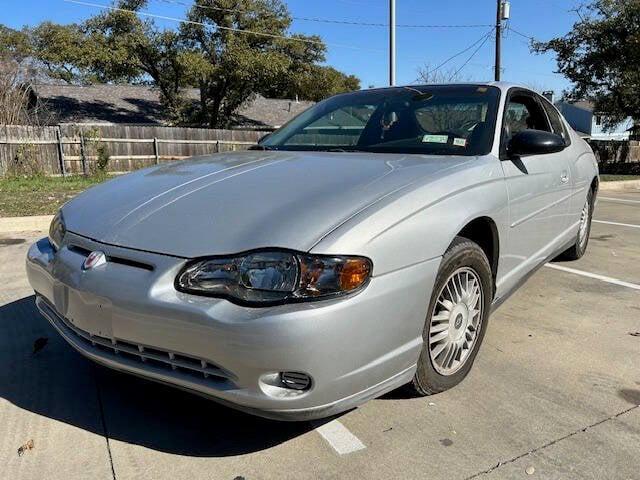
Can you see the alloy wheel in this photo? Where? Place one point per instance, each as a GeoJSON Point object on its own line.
{"type": "Point", "coordinates": [584, 224]}
{"type": "Point", "coordinates": [456, 320]}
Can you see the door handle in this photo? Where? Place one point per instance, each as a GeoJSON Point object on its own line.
{"type": "Point", "coordinates": [564, 177]}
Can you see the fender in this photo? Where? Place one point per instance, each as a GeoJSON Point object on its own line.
{"type": "Point", "coordinates": [437, 211]}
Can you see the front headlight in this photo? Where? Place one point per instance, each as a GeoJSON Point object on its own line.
{"type": "Point", "coordinates": [57, 230]}
{"type": "Point", "coordinates": [274, 276]}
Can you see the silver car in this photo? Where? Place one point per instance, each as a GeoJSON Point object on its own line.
{"type": "Point", "coordinates": [358, 249]}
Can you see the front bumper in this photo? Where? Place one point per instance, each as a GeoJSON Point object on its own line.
{"type": "Point", "coordinates": [127, 315]}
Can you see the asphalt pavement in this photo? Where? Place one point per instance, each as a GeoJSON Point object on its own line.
{"type": "Point", "coordinates": [554, 394]}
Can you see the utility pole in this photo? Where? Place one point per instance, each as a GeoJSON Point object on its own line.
{"type": "Point", "coordinates": [392, 42]}
{"type": "Point", "coordinates": [498, 39]}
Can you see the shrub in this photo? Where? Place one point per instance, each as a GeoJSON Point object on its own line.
{"type": "Point", "coordinates": [25, 162]}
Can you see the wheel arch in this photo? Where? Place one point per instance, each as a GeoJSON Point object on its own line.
{"type": "Point", "coordinates": [484, 231]}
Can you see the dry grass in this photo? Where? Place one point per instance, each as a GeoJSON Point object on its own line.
{"type": "Point", "coordinates": [618, 178]}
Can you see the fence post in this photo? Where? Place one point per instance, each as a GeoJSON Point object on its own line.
{"type": "Point", "coordinates": [155, 149]}
{"type": "Point", "coordinates": [83, 155]}
{"type": "Point", "coordinates": [63, 168]}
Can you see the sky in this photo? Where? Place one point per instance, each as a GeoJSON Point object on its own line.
{"type": "Point", "coordinates": [363, 50]}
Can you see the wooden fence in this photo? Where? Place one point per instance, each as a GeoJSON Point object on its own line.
{"type": "Point", "coordinates": [70, 149]}
{"type": "Point", "coordinates": [617, 157]}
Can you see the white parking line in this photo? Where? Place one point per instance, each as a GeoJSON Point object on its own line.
{"type": "Point", "coordinates": [340, 438]}
{"type": "Point", "coordinates": [616, 223]}
{"type": "Point", "coordinates": [621, 200]}
{"type": "Point", "coordinates": [602, 278]}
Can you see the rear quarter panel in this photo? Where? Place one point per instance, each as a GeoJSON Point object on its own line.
{"type": "Point", "coordinates": [584, 168]}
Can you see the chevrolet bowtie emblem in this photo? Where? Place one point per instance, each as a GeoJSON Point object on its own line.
{"type": "Point", "coordinates": [95, 259]}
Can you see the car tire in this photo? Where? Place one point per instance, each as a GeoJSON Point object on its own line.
{"type": "Point", "coordinates": [463, 259]}
{"type": "Point", "coordinates": [578, 249]}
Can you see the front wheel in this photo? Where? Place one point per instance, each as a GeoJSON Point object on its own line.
{"type": "Point", "coordinates": [456, 319]}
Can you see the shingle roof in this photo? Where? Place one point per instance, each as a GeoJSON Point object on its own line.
{"type": "Point", "coordinates": [270, 112]}
{"type": "Point", "coordinates": [140, 104]}
{"type": "Point", "coordinates": [584, 105]}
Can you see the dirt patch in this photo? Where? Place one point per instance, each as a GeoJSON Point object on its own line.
{"type": "Point", "coordinates": [11, 241]}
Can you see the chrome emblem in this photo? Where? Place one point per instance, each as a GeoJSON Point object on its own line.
{"type": "Point", "coordinates": [95, 259]}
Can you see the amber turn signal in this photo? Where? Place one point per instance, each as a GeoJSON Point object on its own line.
{"type": "Point", "coordinates": [354, 273]}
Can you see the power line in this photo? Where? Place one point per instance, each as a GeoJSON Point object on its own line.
{"type": "Point", "coordinates": [328, 20]}
{"type": "Point", "coordinates": [524, 35]}
{"type": "Point", "coordinates": [238, 30]}
{"type": "Point", "coordinates": [486, 38]}
{"type": "Point", "coordinates": [483, 39]}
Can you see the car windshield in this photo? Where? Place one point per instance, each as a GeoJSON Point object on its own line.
{"type": "Point", "coordinates": [437, 120]}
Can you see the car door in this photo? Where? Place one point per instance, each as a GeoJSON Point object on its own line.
{"type": "Point", "coordinates": [538, 187]}
{"type": "Point", "coordinates": [578, 184]}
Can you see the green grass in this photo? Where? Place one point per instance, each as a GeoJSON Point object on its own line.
{"type": "Point", "coordinates": [21, 196]}
{"type": "Point", "coordinates": [618, 178]}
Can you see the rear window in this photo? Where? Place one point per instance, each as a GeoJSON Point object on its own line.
{"type": "Point", "coordinates": [556, 123]}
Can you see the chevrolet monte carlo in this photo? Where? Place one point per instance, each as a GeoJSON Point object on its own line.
{"type": "Point", "coordinates": [357, 249]}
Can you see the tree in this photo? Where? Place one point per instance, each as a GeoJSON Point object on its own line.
{"type": "Point", "coordinates": [18, 104]}
{"type": "Point", "coordinates": [230, 64]}
{"type": "Point", "coordinates": [129, 50]}
{"type": "Point", "coordinates": [64, 52]}
{"type": "Point", "coordinates": [600, 55]}
{"type": "Point", "coordinates": [14, 44]}
{"type": "Point", "coordinates": [313, 82]}
{"type": "Point", "coordinates": [229, 49]}
{"type": "Point", "coordinates": [430, 75]}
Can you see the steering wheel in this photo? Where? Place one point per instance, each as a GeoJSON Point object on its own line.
{"type": "Point", "coordinates": [468, 125]}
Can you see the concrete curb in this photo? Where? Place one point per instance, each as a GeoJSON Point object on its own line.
{"type": "Point", "coordinates": [626, 185]}
{"type": "Point", "coordinates": [25, 224]}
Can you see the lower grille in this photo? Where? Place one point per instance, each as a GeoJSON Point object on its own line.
{"type": "Point", "coordinates": [172, 361]}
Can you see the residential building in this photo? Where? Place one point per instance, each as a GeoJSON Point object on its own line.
{"type": "Point", "coordinates": [591, 124]}
{"type": "Point", "coordinates": [140, 105]}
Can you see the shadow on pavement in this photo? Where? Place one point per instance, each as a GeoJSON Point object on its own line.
{"type": "Point", "coordinates": [59, 383]}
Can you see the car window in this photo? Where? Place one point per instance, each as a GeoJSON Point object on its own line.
{"type": "Point", "coordinates": [442, 120]}
{"type": "Point", "coordinates": [556, 123]}
{"type": "Point", "coordinates": [523, 112]}
{"type": "Point", "coordinates": [342, 126]}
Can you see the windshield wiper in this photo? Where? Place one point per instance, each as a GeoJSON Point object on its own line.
{"type": "Point", "coordinates": [338, 149]}
{"type": "Point", "coordinates": [260, 147]}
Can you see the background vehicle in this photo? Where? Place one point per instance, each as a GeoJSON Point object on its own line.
{"type": "Point", "coordinates": [360, 248]}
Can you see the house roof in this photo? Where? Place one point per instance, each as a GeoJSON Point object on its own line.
{"type": "Point", "coordinates": [584, 105]}
{"type": "Point", "coordinates": [140, 104]}
{"type": "Point", "coordinates": [581, 104]}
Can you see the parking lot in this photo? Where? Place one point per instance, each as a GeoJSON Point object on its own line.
{"type": "Point", "coordinates": [554, 394]}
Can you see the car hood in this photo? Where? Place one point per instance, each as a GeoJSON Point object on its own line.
{"type": "Point", "coordinates": [230, 203]}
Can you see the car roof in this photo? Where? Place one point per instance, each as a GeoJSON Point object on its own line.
{"type": "Point", "coordinates": [504, 86]}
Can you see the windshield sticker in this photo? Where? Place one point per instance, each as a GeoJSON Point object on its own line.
{"type": "Point", "coordinates": [460, 142]}
{"type": "Point", "coordinates": [435, 139]}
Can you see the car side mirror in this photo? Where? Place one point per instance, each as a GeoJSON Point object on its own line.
{"type": "Point", "coordinates": [535, 142]}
